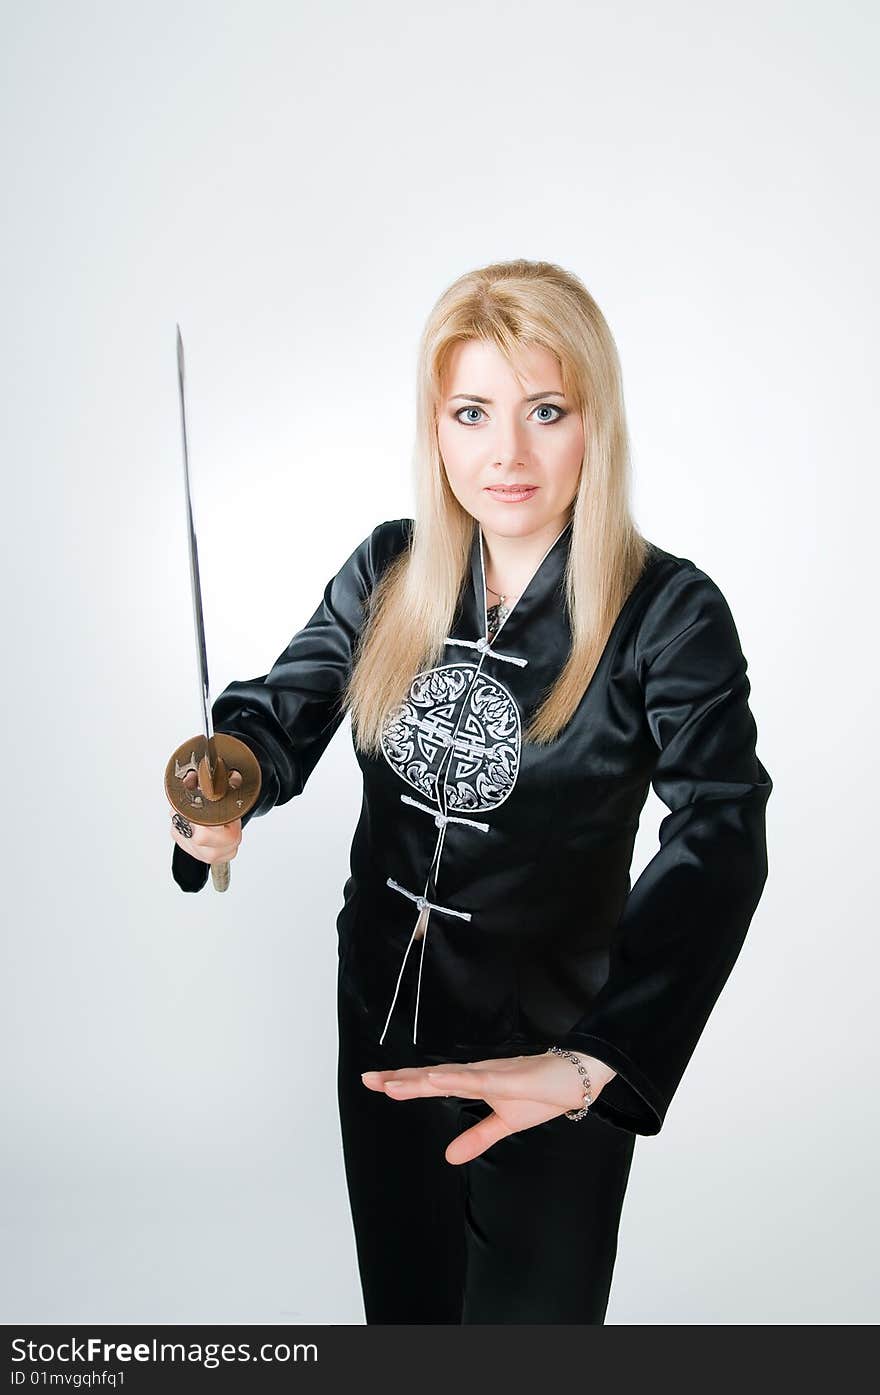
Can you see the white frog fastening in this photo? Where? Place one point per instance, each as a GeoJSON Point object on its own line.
{"type": "Point", "coordinates": [441, 820]}
{"type": "Point", "coordinates": [485, 645]}
{"type": "Point", "coordinates": [422, 901]}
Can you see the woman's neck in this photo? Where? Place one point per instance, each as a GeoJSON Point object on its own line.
{"type": "Point", "coordinates": [510, 563]}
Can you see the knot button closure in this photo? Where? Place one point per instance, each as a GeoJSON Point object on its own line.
{"type": "Point", "coordinates": [482, 642]}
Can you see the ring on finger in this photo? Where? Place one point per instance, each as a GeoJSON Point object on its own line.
{"type": "Point", "coordinates": [182, 825]}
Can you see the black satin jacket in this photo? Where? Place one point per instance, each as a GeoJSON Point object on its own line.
{"type": "Point", "coordinates": [519, 855]}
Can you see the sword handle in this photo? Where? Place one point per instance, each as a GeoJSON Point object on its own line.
{"type": "Point", "coordinates": [211, 792]}
{"type": "Point", "coordinates": [220, 875]}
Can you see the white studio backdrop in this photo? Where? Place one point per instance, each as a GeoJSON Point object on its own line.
{"type": "Point", "coordinates": [295, 186]}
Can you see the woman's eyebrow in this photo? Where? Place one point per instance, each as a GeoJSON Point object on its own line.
{"type": "Point", "coordinates": [533, 397]}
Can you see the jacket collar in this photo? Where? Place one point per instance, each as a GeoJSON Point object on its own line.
{"type": "Point", "coordinates": [543, 592]}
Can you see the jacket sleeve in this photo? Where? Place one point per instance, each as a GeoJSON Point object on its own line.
{"type": "Point", "coordinates": [289, 715]}
{"type": "Point", "coordinates": [686, 917]}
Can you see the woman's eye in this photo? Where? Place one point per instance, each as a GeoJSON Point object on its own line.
{"type": "Point", "coordinates": [542, 407]}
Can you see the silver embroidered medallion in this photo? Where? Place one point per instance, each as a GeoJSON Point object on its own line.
{"type": "Point", "coordinates": [485, 758]}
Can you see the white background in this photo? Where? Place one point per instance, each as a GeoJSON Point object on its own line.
{"type": "Point", "coordinates": [296, 187]}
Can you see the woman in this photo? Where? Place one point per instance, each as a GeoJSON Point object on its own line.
{"type": "Point", "coordinates": [520, 665]}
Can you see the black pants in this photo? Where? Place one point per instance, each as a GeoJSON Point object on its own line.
{"type": "Point", "coordinates": [524, 1233]}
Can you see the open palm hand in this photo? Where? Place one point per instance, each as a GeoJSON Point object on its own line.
{"type": "Point", "coordinates": [522, 1091]}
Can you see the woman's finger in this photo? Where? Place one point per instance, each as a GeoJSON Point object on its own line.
{"type": "Point", "coordinates": [511, 1079]}
{"type": "Point", "coordinates": [477, 1139]}
{"type": "Point", "coordinates": [206, 842]}
{"type": "Point", "coordinates": [507, 1077]}
{"type": "Point", "coordinates": [410, 1082]}
{"type": "Point", "coordinates": [409, 1090]}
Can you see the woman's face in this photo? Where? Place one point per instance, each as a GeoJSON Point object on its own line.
{"type": "Point", "coordinates": [493, 430]}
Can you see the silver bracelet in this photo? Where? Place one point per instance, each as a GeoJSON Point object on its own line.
{"type": "Point", "coordinates": [588, 1099]}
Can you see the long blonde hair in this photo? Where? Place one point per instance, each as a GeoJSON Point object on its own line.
{"type": "Point", "coordinates": [511, 305]}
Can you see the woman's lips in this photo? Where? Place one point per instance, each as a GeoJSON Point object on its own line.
{"type": "Point", "coordinates": [515, 494]}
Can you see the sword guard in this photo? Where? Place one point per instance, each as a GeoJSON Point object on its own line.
{"type": "Point", "coordinates": [213, 787]}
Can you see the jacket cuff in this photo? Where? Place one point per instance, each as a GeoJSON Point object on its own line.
{"type": "Point", "coordinates": [629, 1100]}
{"type": "Point", "coordinates": [190, 873]}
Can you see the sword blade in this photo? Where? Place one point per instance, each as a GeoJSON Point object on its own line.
{"type": "Point", "coordinates": [198, 618]}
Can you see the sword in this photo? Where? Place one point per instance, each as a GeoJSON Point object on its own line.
{"type": "Point", "coordinates": [213, 778]}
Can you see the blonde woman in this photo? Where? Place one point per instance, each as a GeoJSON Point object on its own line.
{"type": "Point", "coordinates": [520, 664]}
